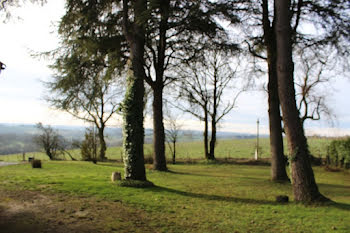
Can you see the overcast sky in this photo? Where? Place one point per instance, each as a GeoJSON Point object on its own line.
{"type": "Point", "coordinates": [22, 91]}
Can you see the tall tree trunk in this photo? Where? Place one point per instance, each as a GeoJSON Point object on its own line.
{"type": "Point", "coordinates": [159, 161]}
{"type": "Point", "coordinates": [303, 180]}
{"type": "Point", "coordinates": [214, 113]}
{"type": "Point", "coordinates": [133, 131]}
{"type": "Point", "coordinates": [103, 146]}
{"type": "Point", "coordinates": [174, 151]}
{"type": "Point", "coordinates": [278, 163]}
{"type": "Point", "coordinates": [205, 134]}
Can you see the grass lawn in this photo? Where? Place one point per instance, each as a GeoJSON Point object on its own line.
{"type": "Point", "coordinates": [191, 198]}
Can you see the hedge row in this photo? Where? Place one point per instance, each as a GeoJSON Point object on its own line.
{"type": "Point", "coordinates": [338, 153]}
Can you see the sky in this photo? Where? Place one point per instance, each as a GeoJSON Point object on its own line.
{"type": "Point", "coordinates": [22, 91]}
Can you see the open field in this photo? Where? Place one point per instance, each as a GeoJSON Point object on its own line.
{"type": "Point", "coordinates": [237, 148]}
{"type": "Point", "coordinates": [66, 196]}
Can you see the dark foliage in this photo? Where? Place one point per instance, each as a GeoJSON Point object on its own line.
{"type": "Point", "coordinates": [90, 146]}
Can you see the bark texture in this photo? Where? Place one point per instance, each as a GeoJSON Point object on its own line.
{"type": "Point", "coordinates": [174, 151]}
{"type": "Point", "coordinates": [205, 133]}
{"type": "Point", "coordinates": [303, 180]}
{"type": "Point", "coordinates": [159, 162]}
{"type": "Point", "coordinates": [278, 162]}
{"type": "Point", "coordinates": [103, 146]}
{"type": "Point", "coordinates": [211, 155]}
{"type": "Point", "coordinates": [214, 116]}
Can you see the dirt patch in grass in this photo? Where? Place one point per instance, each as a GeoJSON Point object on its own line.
{"type": "Point", "coordinates": [35, 212]}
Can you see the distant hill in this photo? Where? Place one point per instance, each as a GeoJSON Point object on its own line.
{"type": "Point", "coordinates": [17, 138]}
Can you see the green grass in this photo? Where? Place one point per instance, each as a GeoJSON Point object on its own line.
{"type": "Point", "coordinates": [197, 198]}
{"type": "Point", "coordinates": [237, 148]}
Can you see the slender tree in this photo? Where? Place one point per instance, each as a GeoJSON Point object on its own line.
{"type": "Point", "coordinates": [304, 185]}
{"type": "Point", "coordinates": [202, 86]}
{"type": "Point", "coordinates": [172, 133]}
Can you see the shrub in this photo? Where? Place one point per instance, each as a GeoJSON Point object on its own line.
{"type": "Point", "coordinates": [339, 153]}
{"type": "Point", "coordinates": [89, 147]}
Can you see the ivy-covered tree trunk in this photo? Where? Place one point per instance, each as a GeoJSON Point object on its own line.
{"type": "Point", "coordinates": [303, 180]}
{"type": "Point", "coordinates": [133, 131]}
{"type": "Point", "coordinates": [158, 131]}
{"type": "Point", "coordinates": [278, 163]}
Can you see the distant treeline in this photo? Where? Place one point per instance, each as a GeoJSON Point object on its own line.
{"type": "Point", "coordinates": [19, 138]}
{"type": "Point", "coordinates": [16, 143]}
{"type": "Point", "coordinates": [11, 143]}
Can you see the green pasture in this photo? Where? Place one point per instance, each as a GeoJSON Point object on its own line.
{"type": "Point", "coordinates": [235, 148]}
{"type": "Point", "coordinates": [195, 198]}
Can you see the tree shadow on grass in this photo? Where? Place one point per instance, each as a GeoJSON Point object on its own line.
{"type": "Point", "coordinates": [187, 173]}
{"type": "Point", "coordinates": [342, 206]}
{"type": "Point", "coordinates": [334, 190]}
{"type": "Point", "coordinates": [218, 176]}
{"type": "Point", "coordinates": [334, 186]}
{"type": "Point", "coordinates": [212, 197]}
